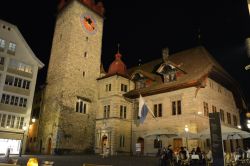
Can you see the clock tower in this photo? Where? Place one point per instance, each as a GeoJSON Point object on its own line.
{"type": "Point", "coordinates": [67, 122]}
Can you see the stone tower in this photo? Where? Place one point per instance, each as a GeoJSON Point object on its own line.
{"type": "Point", "coordinates": [68, 112]}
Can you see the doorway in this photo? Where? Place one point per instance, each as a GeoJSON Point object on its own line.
{"type": "Point", "coordinates": [177, 144]}
{"type": "Point", "coordinates": [49, 146]}
{"type": "Point", "coordinates": [104, 143]}
{"type": "Point", "coordinates": [141, 141]}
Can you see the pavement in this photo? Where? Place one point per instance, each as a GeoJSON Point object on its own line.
{"type": "Point", "coordinates": [79, 160]}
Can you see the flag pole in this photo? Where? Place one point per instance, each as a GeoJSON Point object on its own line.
{"type": "Point", "coordinates": [148, 108]}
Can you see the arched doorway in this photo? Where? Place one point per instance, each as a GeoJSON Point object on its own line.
{"type": "Point", "coordinates": [49, 146]}
{"type": "Point", "coordinates": [104, 143]}
{"type": "Point", "coordinates": [141, 141]}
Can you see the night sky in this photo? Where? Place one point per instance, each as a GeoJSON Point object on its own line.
{"type": "Point", "coordinates": [143, 28]}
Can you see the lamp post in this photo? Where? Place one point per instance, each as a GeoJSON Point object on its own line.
{"type": "Point", "coordinates": [186, 130]}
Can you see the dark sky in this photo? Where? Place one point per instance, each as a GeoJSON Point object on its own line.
{"type": "Point", "coordinates": [144, 27]}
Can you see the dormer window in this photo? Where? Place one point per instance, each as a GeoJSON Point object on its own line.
{"type": "Point", "coordinates": [169, 71]}
{"type": "Point", "coordinates": [170, 77]}
{"type": "Point", "coordinates": [142, 79]}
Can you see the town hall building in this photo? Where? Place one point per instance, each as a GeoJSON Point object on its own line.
{"type": "Point", "coordinates": [86, 109]}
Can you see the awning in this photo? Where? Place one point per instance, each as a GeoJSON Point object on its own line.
{"type": "Point", "coordinates": [227, 133]}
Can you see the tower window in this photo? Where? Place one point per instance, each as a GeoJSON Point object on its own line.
{"type": "Point", "coordinates": [81, 106]}
{"type": "Point", "coordinates": [85, 54]}
{"type": "Point", "coordinates": [83, 73]}
{"type": "Point", "coordinates": [86, 38]}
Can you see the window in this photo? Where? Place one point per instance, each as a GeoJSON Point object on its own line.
{"type": "Point", "coordinates": [206, 110]}
{"type": "Point", "coordinates": [14, 64]}
{"type": "Point", "coordinates": [170, 77]}
{"type": "Point", "coordinates": [122, 141]}
{"type": "Point", "coordinates": [17, 82]}
{"type": "Point", "coordinates": [3, 120]}
{"type": "Point", "coordinates": [1, 60]}
{"type": "Point", "coordinates": [124, 88]}
{"type": "Point", "coordinates": [123, 112]}
{"type": "Point", "coordinates": [228, 118]}
{"type": "Point", "coordinates": [222, 117]}
{"type": "Point", "coordinates": [158, 110]}
{"type": "Point", "coordinates": [8, 121]}
{"type": "Point", "coordinates": [214, 109]}
{"type": "Point", "coordinates": [17, 122]}
{"type": "Point", "coordinates": [21, 123]}
{"type": "Point", "coordinates": [12, 121]}
{"type": "Point", "coordinates": [108, 87]}
{"type": "Point", "coordinates": [106, 113]}
{"type": "Point", "coordinates": [176, 107]}
{"type": "Point", "coordinates": [9, 80]}
{"type": "Point", "coordinates": [81, 106]}
{"type": "Point", "coordinates": [2, 44]}
{"type": "Point", "coordinates": [12, 47]}
{"type": "Point", "coordinates": [235, 120]}
{"type": "Point", "coordinates": [26, 84]}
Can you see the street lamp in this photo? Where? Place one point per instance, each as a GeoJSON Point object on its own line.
{"type": "Point", "coordinates": [33, 120]}
{"type": "Point", "coordinates": [248, 125]}
{"type": "Point", "coordinates": [186, 130]}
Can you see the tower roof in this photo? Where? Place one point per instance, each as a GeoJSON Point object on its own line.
{"type": "Point", "coordinates": [96, 7]}
{"type": "Point", "coordinates": [117, 66]}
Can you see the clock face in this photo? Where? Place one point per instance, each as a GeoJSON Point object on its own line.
{"type": "Point", "coordinates": [89, 24]}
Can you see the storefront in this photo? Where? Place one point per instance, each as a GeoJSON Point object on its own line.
{"type": "Point", "coordinates": [11, 140]}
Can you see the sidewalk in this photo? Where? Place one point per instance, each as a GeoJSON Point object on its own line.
{"type": "Point", "coordinates": [79, 160]}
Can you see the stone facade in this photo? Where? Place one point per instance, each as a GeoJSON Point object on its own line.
{"type": "Point", "coordinates": [71, 77]}
{"type": "Point", "coordinates": [192, 115]}
{"type": "Point", "coordinates": [117, 125]}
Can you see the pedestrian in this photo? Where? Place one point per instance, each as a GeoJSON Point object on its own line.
{"type": "Point", "coordinates": [169, 155]}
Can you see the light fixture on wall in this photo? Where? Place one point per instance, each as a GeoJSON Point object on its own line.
{"type": "Point", "coordinates": [33, 120]}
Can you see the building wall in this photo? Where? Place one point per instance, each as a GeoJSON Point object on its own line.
{"type": "Point", "coordinates": [192, 115]}
{"type": "Point", "coordinates": [71, 76]}
{"type": "Point", "coordinates": [24, 55]}
{"type": "Point", "coordinates": [222, 98]}
{"type": "Point", "coordinates": [114, 127]}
